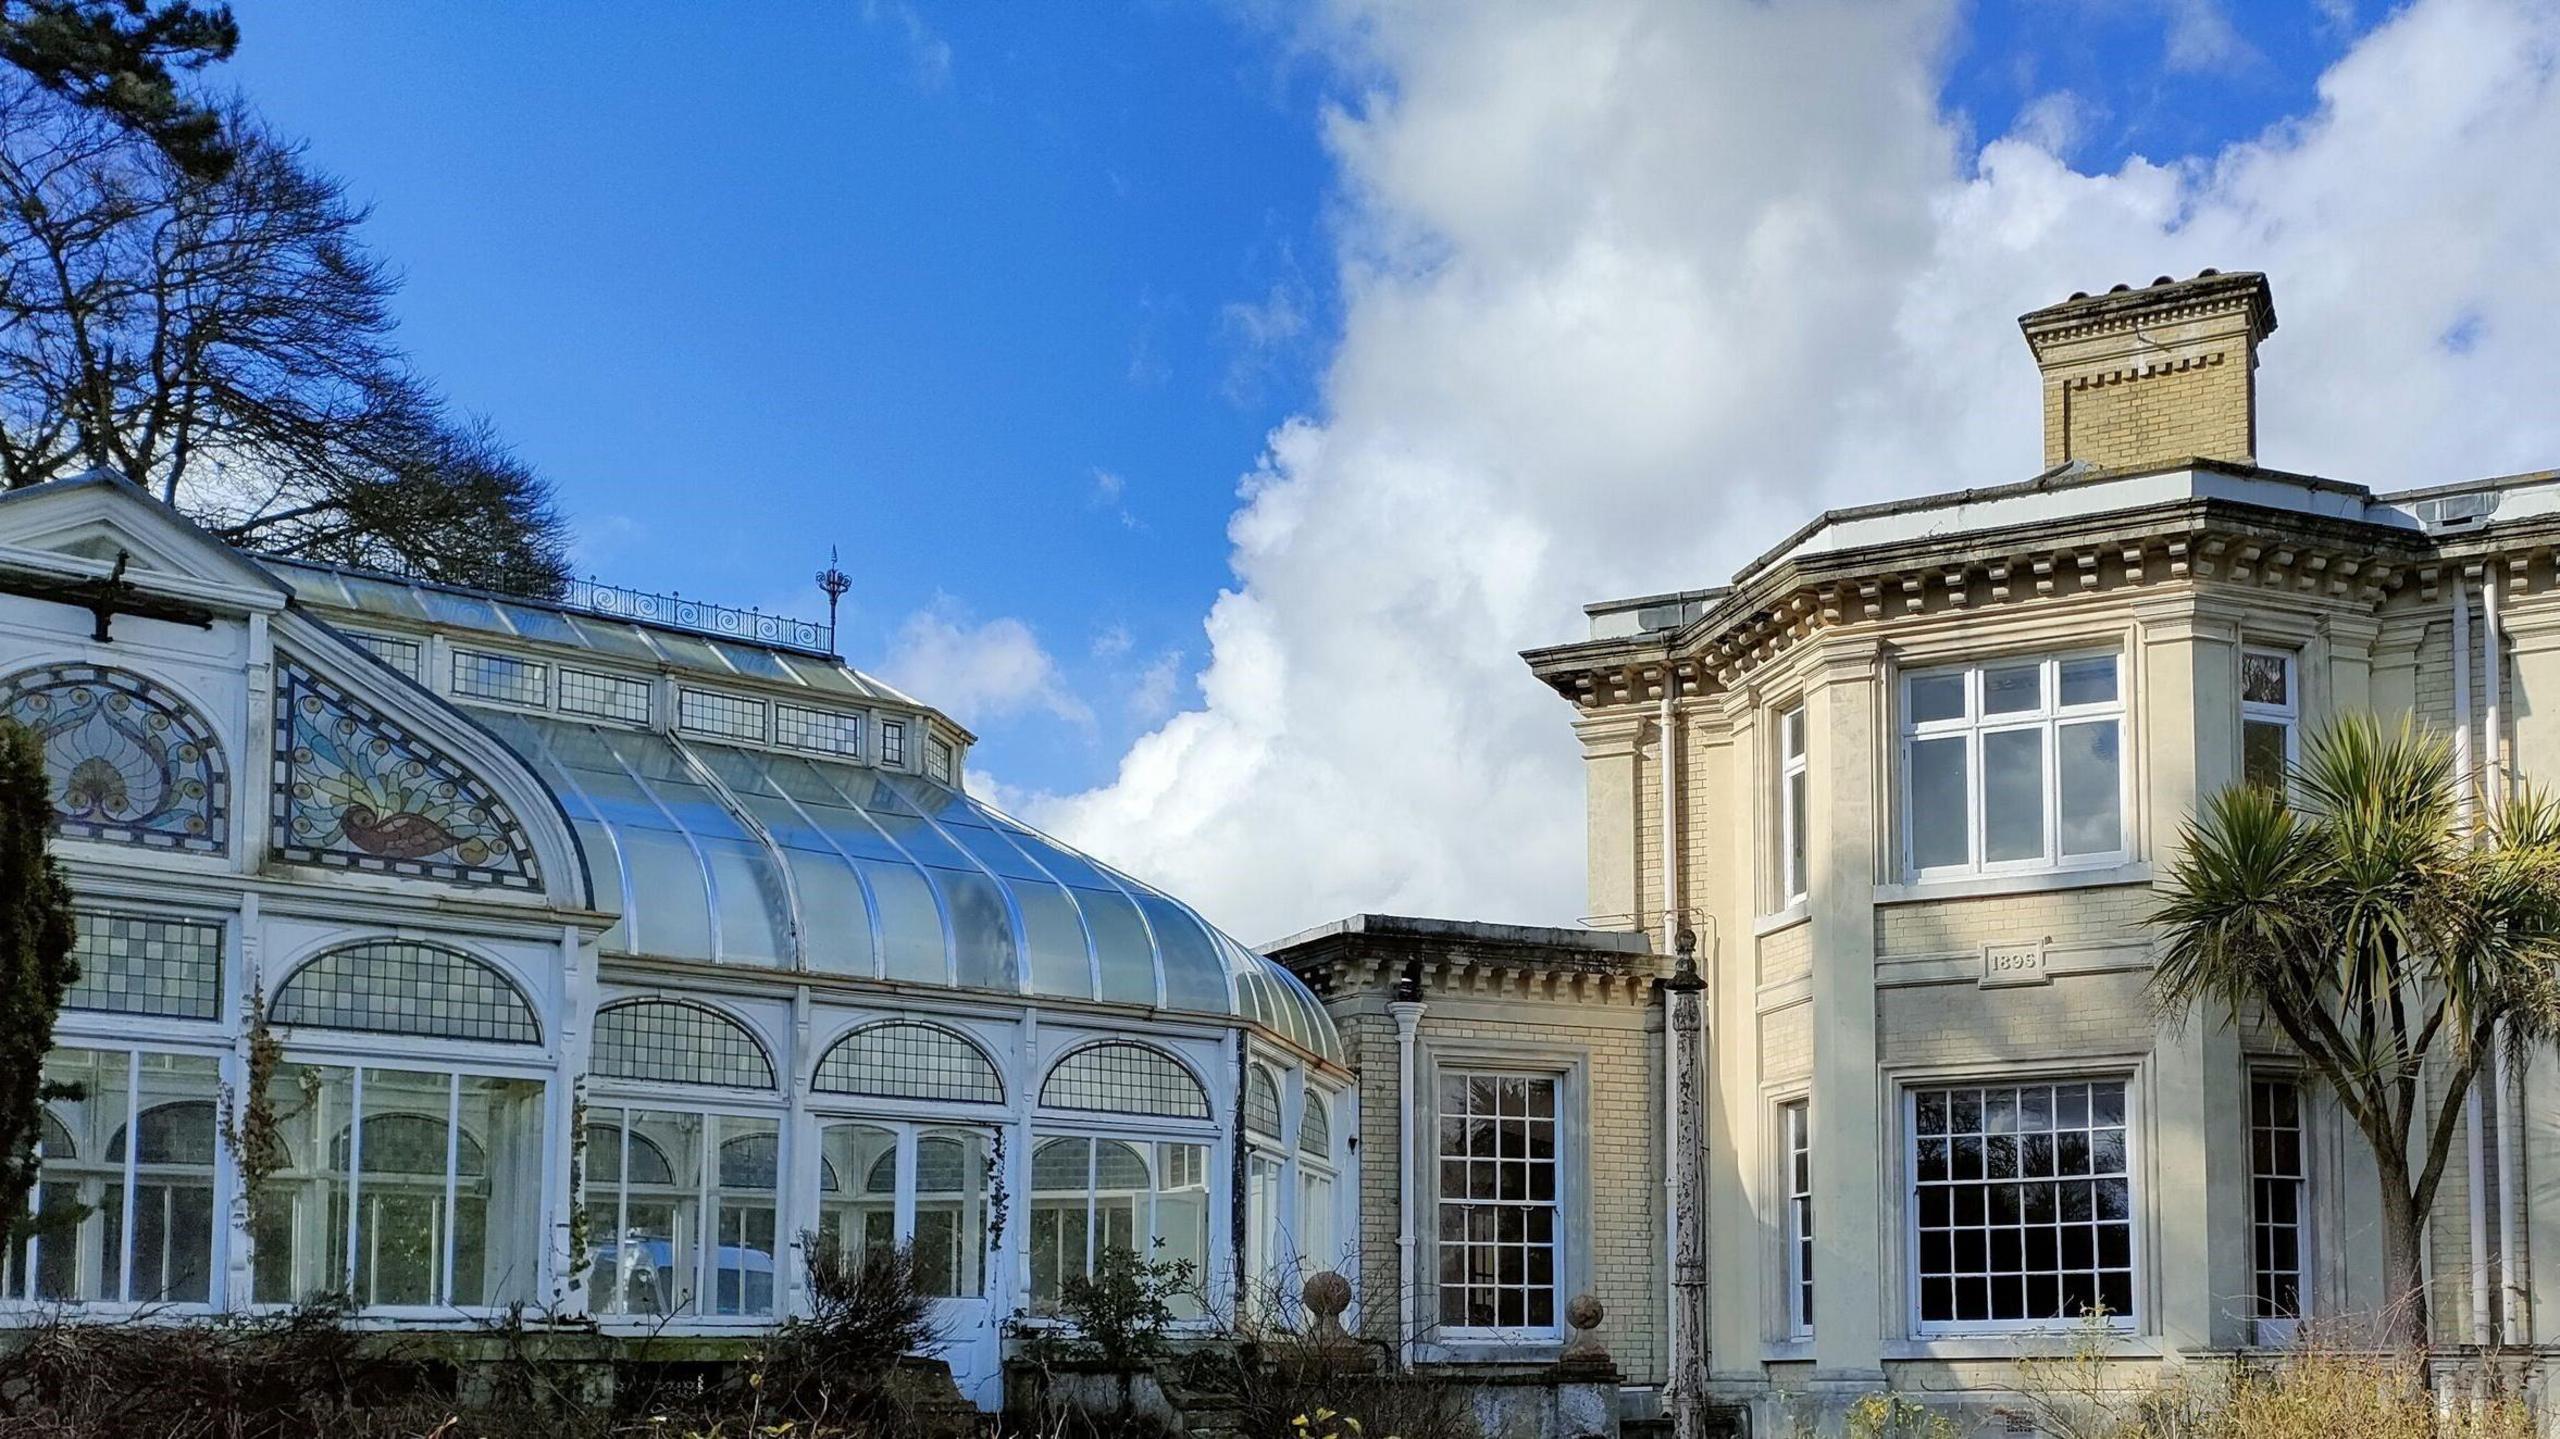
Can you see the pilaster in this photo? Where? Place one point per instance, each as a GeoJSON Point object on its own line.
{"type": "Point", "coordinates": [1843, 702]}
{"type": "Point", "coordinates": [1609, 749]}
{"type": "Point", "coordinates": [2198, 1216]}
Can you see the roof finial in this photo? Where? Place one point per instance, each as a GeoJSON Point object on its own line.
{"type": "Point", "coordinates": [834, 582]}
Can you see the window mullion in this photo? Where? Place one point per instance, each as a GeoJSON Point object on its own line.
{"type": "Point", "coordinates": [355, 1172]}
{"type": "Point", "coordinates": [452, 1189]}
{"type": "Point", "coordinates": [132, 1164]}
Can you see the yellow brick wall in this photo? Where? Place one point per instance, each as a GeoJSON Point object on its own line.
{"type": "Point", "coordinates": [2153, 419]}
{"type": "Point", "coordinates": [1622, 1146]}
{"type": "Point", "coordinates": [2072, 916]}
{"type": "Point", "coordinates": [1786, 955]}
{"type": "Point", "coordinates": [1786, 1044]}
{"type": "Point", "coordinates": [2075, 1015]}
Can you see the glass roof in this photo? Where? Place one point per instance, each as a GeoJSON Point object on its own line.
{"type": "Point", "coordinates": [739, 856]}
{"type": "Point", "coordinates": [451, 608]}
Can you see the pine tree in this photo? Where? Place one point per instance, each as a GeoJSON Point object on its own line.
{"type": "Point", "coordinates": [36, 966]}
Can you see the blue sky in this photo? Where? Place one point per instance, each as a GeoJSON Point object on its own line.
{"type": "Point", "coordinates": [1211, 400]}
{"type": "Point", "coordinates": [1001, 300]}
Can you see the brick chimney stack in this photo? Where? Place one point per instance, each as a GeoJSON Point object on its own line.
{"type": "Point", "coordinates": [2157, 376]}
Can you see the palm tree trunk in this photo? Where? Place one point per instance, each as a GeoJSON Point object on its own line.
{"type": "Point", "coordinates": [2404, 1287]}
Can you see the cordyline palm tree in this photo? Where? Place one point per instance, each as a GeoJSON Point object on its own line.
{"type": "Point", "coordinates": [2384, 939]}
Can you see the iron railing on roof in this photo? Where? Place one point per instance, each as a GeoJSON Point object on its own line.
{"type": "Point", "coordinates": [723, 621]}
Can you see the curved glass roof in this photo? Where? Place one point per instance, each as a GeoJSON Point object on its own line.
{"type": "Point", "coordinates": [739, 856]}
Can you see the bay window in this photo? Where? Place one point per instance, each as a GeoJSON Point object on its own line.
{"type": "Point", "coordinates": [2013, 766]}
{"type": "Point", "coordinates": [2020, 1204]}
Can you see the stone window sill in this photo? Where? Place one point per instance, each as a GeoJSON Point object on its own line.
{"type": "Point", "coordinates": [1769, 924]}
{"type": "Point", "coordinates": [2039, 882]}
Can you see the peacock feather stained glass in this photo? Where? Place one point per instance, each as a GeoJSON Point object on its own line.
{"type": "Point", "coordinates": [130, 763]}
{"type": "Point", "coordinates": [355, 789]}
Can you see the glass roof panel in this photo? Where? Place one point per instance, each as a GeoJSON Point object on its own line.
{"type": "Point", "coordinates": [612, 637]}
{"type": "Point", "coordinates": [1195, 977]}
{"type": "Point", "coordinates": [445, 607]}
{"type": "Point", "coordinates": [374, 597]}
{"type": "Point", "coordinates": [686, 650]}
{"type": "Point", "coordinates": [750, 901]}
{"type": "Point", "coordinates": [826, 675]}
{"type": "Point", "coordinates": [536, 623]}
{"type": "Point", "coordinates": [764, 664]}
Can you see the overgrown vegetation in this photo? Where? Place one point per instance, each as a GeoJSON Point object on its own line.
{"type": "Point", "coordinates": [837, 1374]}
{"type": "Point", "coordinates": [1117, 1317]}
{"type": "Point", "coordinates": [2326, 1388]}
{"type": "Point", "coordinates": [36, 968]}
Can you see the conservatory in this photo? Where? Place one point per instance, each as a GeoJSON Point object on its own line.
{"type": "Point", "coordinates": [445, 952]}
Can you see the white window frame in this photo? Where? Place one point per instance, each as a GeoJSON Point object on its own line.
{"type": "Point", "coordinates": [1795, 1133]}
{"type": "Point", "coordinates": [892, 746]}
{"type": "Point", "coordinates": [2136, 1201]}
{"type": "Point", "coordinates": [1562, 1158]}
{"type": "Point", "coordinates": [1793, 886]}
{"type": "Point", "coordinates": [2281, 1330]}
{"type": "Point", "coordinates": [615, 1102]}
{"type": "Point", "coordinates": [2049, 718]}
{"type": "Point", "coordinates": [2287, 715]}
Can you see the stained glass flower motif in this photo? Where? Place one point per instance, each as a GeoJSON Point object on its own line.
{"type": "Point", "coordinates": [130, 762]}
{"type": "Point", "coordinates": [357, 790]}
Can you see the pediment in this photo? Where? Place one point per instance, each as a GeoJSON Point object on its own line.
{"type": "Point", "coordinates": [79, 529]}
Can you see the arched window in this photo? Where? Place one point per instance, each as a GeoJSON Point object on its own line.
{"type": "Point", "coordinates": [407, 1144]}
{"type": "Point", "coordinates": [606, 1158]}
{"type": "Point", "coordinates": [675, 1041]}
{"type": "Point", "coordinates": [180, 1133]}
{"type": "Point", "coordinates": [57, 1139]}
{"type": "Point", "coordinates": [1262, 1104]}
{"type": "Point", "coordinates": [749, 1160]}
{"type": "Point", "coordinates": [1315, 1128]}
{"type": "Point", "coordinates": [1117, 1077]}
{"type": "Point", "coordinates": [899, 1059]}
{"type": "Point", "coordinates": [395, 986]}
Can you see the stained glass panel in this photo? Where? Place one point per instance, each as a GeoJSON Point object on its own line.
{"type": "Point", "coordinates": [129, 762]}
{"type": "Point", "coordinates": [356, 790]}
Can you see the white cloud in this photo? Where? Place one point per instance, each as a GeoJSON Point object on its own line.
{"type": "Point", "coordinates": [977, 671]}
{"type": "Point", "coordinates": [1629, 291]}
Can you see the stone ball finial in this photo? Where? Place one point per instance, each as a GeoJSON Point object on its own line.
{"type": "Point", "coordinates": [1326, 1294]}
{"type": "Point", "coordinates": [1583, 1311]}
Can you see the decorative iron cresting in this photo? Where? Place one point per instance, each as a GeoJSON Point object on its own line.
{"type": "Point", "coordinates": [355, 789]}
{"type": "Point", "coordinates": [723, 621]}
{"type": "Point", "coordinates": [129, 762]}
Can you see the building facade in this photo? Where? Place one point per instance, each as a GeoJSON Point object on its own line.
{"type": "Point", "coordinates": [598, 958]}
{"type": "Point", "coordinates": [1901, 790]}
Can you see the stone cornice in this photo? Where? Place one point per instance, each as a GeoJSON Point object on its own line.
{"type": "Point", "coordinates": [2345, 567]}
